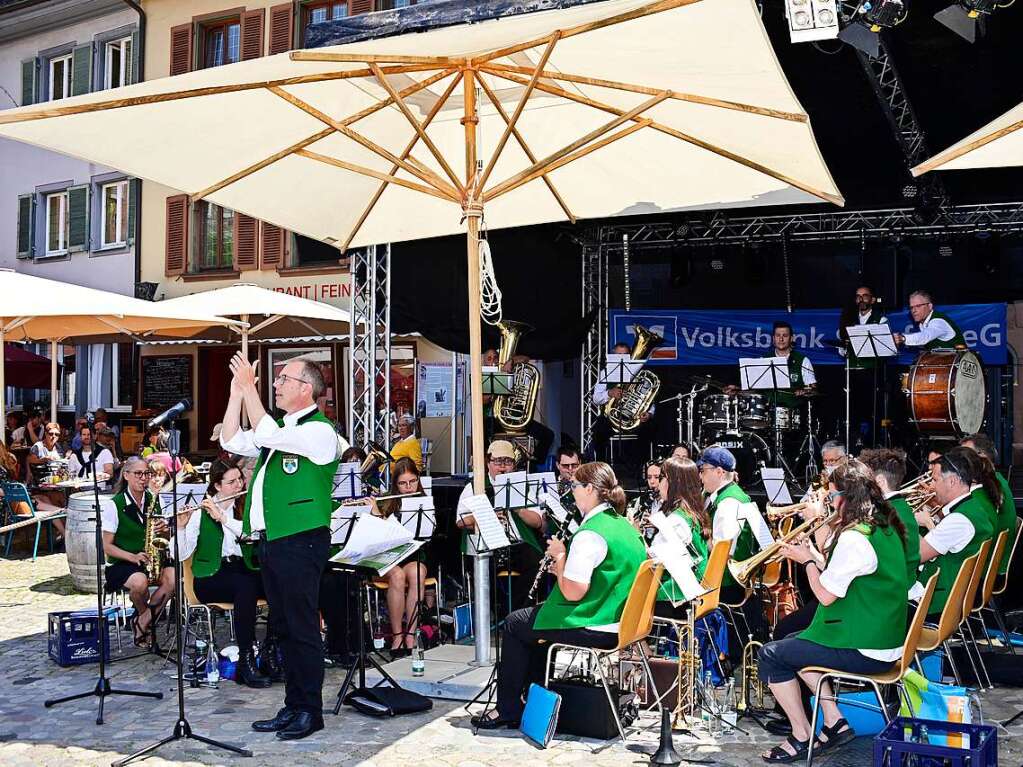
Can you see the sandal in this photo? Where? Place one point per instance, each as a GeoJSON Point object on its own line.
{"type": "Point", "coordinates": [835, 735]}
{"type": "Point", "coordinates": [781, 756]}
{"type": "Point", "coordinates": [140, 636]}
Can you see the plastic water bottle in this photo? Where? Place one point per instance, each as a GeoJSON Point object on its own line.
{"type": "Point", "coordinates": [212, 668]}
{"type": "Point", "coordinates": [728, 712]}
{"type": "Point", "coordinates": [418, 656]}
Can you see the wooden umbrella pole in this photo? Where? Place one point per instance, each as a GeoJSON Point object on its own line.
{"type": "Point", "coordinates": [3, 388]}
{"type": "Point", "coordinates": [53, 380]}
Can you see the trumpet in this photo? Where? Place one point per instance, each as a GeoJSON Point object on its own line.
{"type": "Point", "coordinates": [743, 571]}
{"type": "Point", "coordinates": [913, 484]}
{"type": "Point", "coordinates": [778, 513]}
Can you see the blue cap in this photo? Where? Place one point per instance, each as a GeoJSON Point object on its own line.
{"type": "Point", "coordinates": [720, 457]}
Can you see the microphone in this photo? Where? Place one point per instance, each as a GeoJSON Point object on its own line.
{"type": "Point", "coordinates": [170, 413]}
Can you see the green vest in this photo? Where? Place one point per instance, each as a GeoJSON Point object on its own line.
{"type": "Point", "coordinates": [1006, 520]}
{"type": "Point", "coordinates": [669, 590]}
{"type": "Point", "coordinates": [746, 544]}
{"type": "Point", "coordinates": [296, 491]}
{"type": "Point", "coordinates": [209, 548]}
{"type": "Point", "coordinates": [956, 341]}
{"type": "Point", "coordinates": [905, 512]}
{"type": "Point", "coordinates": [948, 565]}
{"type": "Point", "coordinates": [130, 535]}
{"type": "Point", "coordinates": [610, 582]}
{"type": "Point", "coordinates": [872, 614]}
{"type": "Point", "coordinates": [795, 363]}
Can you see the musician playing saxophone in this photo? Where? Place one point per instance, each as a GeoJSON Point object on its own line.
{"type": "Point", "coordinates": [593, 582]}
{"type": "Point", "coordinates": [124, 526]}
{"type": "Point", "coordinates": [861, 573]}
{"type": "Point", "coordinates": [963, 527]}
{"type": "Point", "coordinates": [680, 495]}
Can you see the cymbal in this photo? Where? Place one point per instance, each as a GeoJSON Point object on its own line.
{"type": "Point", "coordinates": [836, 343]}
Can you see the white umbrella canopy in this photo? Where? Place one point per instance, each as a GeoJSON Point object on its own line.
{"type": "Point", "coordinates": [37, 309]}
{"type": "Point", "coordinates": [267, 313]}
{"type": "Point", "coordinates": [998, 144]}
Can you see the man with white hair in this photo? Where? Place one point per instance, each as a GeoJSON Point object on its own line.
{"type": "Point", "coordinates": [407, 445]}
{"type": "Point", "coordinates": [932, 329]}
{"type": "Point", "coordinates": [833, 454]}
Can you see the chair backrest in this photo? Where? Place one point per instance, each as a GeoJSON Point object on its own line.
{"type": "Point", "coordinates": [712, 577]}
{"type": "Point", "coordinates": [188, 582]}
{"type": "Point", "coordinates": [1012, 555]}
{"type": "Point", "coordinates": [952, 614]}
{"type": "Point", "coordinates": [973, 588]}
{"type": "Point", "coordinates": [916, 626]}
{"type": "Point", "coordinates": [638, 614]}
{"type": "Point", "coordinates": [17, 493]}
{"type": "Point", "coordinates": [988, 586]}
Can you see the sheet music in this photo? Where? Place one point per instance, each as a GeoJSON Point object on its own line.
{"type": "Point", "coordinates": [418, 516]}
{"type": "Point", "coordinates": [510, 490]}
{"type": "Point", "coordinates": [426, 482]}
{"type": "Point", "coordinates": [774, 484]}
{"type": "Point", "coordinates": [537, 484]}
{"type": "Point", "coordinates": [671, 550]}
{"type": "Point", "coordinates": [757, 372]}
{"type": "Point", "coordinates": [619, 369]}
{"type": "Point", "coordinates": [348, 481]}
{"type": "Point", "coordinates": [868, 339]}
{"type": "Point", "coordinates": [553, 504]}
{"type": "Point", "coordinates": [188, 495]}
{"type": "Point", "coordinates": [489, 530]}
{"type": "Point", "coordinates": [371, 536]}
{"type": "Point", "coordinates": [342, 519]}
{"type": "Point", "coordinates": [385, 560]}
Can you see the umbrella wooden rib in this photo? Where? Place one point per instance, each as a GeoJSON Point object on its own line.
{"type": "Point", "coordinates": [946, 157]}
{"type": "Point", "coordinates": [379, 175]}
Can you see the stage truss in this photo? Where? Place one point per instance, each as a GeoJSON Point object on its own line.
{"type": "Point", "coordinates": [370, 345]}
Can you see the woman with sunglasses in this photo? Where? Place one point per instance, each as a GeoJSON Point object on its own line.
{"type": "Point", "coordinates": [405, 589]}
{"type": "Point", "coordinates": [43, 453]}
{"type": "Point", "coordinates": [861, 573]}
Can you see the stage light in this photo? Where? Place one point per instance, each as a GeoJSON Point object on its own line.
{"type": "Point", "coordinates": [812, 19]}
{"type": "Point", "coordinates": [967, 17]}
{"type": "Point", "coordinates": [868, 19]}
{"type": "Point", "coordinates": [910, 191]}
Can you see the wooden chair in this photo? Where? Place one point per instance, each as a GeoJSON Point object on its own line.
{"type": "Point", "coordinates": [891, 677]}
{"type": "Point", "coordinates": [969, 603]}
{"type": "Point", "coordinates": [987, 586]}
{"type": "Point", "coordinates": [192, 602]}
{"type": "Point", "coordinates": [951, 616]}
{"type": "Point", "coordinates": [22, 508]}
{"type": "Point", "coordinates": [633, 628]}
{"type": "Point", "coordinates": [1000, 586]}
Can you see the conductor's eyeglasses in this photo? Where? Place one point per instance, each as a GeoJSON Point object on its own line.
{"type": "Point", "coordinates": [282, 378]}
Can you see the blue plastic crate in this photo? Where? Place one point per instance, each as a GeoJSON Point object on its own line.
{"type": "Point", "coordinates": [859, 709]}
{"type": "Point", "coordinates": [899, 745]}
{"type": "Point", "coordinates": [74, 637]}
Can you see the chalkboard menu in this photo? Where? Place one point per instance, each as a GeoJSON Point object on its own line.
{"type": "Point", "coordinates": [165, 381]}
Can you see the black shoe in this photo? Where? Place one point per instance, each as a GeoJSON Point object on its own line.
{"type": "Point", "coordinates": [303, 725]}
{"type": "Point", "coordinates": [778, 726]}
{"type": "Point", "coordinates": [248, 674]}
{"type": "Point", "coordinates": [270, 660]}
{"type": "Point", "coordinates": [283, 718]}
{"type": "Point", "coordinates": [485, 722]}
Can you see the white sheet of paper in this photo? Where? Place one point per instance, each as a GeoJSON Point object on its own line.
{"type": "Point", "coordinates": [370, 537]}
{"type": "Point", "coordinates": [553, 504]}
{"type": "Point", "coordinates": [619, 369]}
{"type": "Point", "coordinates": [774, 485]}
{"type": "Point", "coordinates": [756, 372]}
{"type": "Point", "coordinates": [385, 560]}
{"type": "Point", "coordinates": [348, 481]}
{"type": "Point", "coordinates": [341, 520]}
{"type": "Point", "coordinates": [489, 530]}
{"type": "Point", "coordinates": [417, 516]}
{"type": "Point", "coordinates": [188, 495]}
{"type": "Point", "coordinates": [510, 490]}
{"type": "Point", "coordinates": [426, 482]}
{"type": "Point", "coordinates": [860, 337]}
{"type": "Point", "coordinates": [669, 549]}
{"type": "Point", "coordinates": [538, 483]}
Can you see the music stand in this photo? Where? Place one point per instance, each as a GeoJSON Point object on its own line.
{"type": "Point", "coordinates": [418, 516]}
{"type": "Point", "coordinates": [102, 688]}
{"type": "Point", "coordinates": [347, 482]}
{"type": "Point", "coordinates": [866, 342]}
{"type": "Point", "coordinates": [768, 374]}
{"type": "Point", "coordinates": [619, 370]}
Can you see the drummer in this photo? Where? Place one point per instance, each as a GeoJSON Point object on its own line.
{"type": "Point", "coordinates": [931, 329]}
{"type": "Point", "coordinates": [801, 374]}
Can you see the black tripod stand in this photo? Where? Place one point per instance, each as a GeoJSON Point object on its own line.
{"type": "Point", "coordinates": [102, 688]}
{"type": "Point", "coordinates": [182, 729]}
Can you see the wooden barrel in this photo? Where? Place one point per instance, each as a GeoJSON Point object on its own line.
{"type": "Point", "coordinates": [80, 540]}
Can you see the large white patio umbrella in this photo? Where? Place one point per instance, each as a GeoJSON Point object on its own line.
{"type": "Point", "coordinates": [37, 309]}
{"type": "Point", "coordinates": [998, 144]}
{"type": "Point", "coordinates": [266, 313]}
{"type": "Point", "coordinates": [601, 109]}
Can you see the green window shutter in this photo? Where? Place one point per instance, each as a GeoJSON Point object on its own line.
{"type": "Point", "coordinates": [134, 190]}
{"type": "Point", "coordinates": [26, 225]}
{"type": "Point", "coordinates": [133, 62]}
{"type": "Point", "coordinates": [78, 218]}
{"type": "Point", "coordinates": [29, 76]}
{"type": "Point", "coordinates": [81, 70]}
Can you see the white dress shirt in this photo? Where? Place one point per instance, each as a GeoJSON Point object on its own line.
{"type": "Point", "coordinates": [232, 529]}
{"type": "Point", "coordinates": [854, 556]}
{"type": "Point", "coordinates": [104, 458]}
{"type": "Point", "coordinates": [587, 551]}
{"type": "Point", "coordinates": [931, 329]}
{"type": "Point", "coordinates": [600, 396]}
{"type": "Point", "coordinates": [731, 514]}
{"type": "Point", "coordinates": [315, 440]}
{"type": "Point", "coordinates": [952, 534]}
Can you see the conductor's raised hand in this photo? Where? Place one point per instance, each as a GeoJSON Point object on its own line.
{"type": "Point", "coordinates": [244, 373]}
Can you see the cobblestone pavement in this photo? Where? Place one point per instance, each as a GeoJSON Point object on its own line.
{"type": "Point", "coordinates": [68, 734]}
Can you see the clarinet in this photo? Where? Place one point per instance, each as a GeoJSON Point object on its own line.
{"type": "Point", "coordinates": [545, 565]}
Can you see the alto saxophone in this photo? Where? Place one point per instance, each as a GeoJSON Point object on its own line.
{"type": "Point", "coordinates": [153, 546]}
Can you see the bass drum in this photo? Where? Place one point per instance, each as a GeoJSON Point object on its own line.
{"type": "Point", "coordinates": [947, 393]}
{"type": "Point", "coordinates": [750, 451]}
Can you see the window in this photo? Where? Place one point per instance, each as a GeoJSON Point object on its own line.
{"type": "Point", "coordinates": [387, 5]}
{"type": "Point", "coordinates": [214, 237]}
{"type": "Point", "coordinates": [315, 13]}
{"type": "Point", "coordinates": [221, 43]}
{"type": "Point", "coordinates": [56, 223]}
{"type": "Point", "coordinates": [60, 77]}
{"type": "Point", "coordinates": [114, 213]}
{"type": "Point", "coordinates": [117, 63]}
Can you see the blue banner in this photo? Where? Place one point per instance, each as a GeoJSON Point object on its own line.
{"type": "Point", "coordinates": [696, 337]}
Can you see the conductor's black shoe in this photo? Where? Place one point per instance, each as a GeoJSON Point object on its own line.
{"type": "Point", "coordinates": [486, 722]}
{"type": "Point", "coordinates": [303, 725]}
{"type": "Point", "coordinates": [248, 674]}
{"type": "Point", "coordinates": [283, 718]}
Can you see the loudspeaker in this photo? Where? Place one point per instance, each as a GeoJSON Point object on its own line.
{"type": "Point", "coordinates": [585, 710]}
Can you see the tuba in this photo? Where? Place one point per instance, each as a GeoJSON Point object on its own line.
{"type": "Point", "coordinates": [638, 394]}
{"type": "Point", "coordinates": [514, 411]}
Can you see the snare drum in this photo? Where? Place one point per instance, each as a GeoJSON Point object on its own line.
{"type": "Point", "coordinates": [718, 411]}
{"type": "Point", "coordinates": [788, 418]}
{"type": "Point", "coordinates": [753, 411]}
{"type": "Point", "coordinates": [947, 393]}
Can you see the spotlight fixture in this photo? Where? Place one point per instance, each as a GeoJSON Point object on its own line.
{"type": "Point", "coordinates": [967, 18]}
{"type": "Point", "coordinates": [869, 18]}
{"type": "Point", "coordinates": [910, 191]}
{"type": "Point", "coordinates": [812, 19]}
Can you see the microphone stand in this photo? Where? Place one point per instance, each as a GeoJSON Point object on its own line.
{"type": "Point", "coordinates": [182, 728]}
{"type": "Point", "coordinates": [102, 688]}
